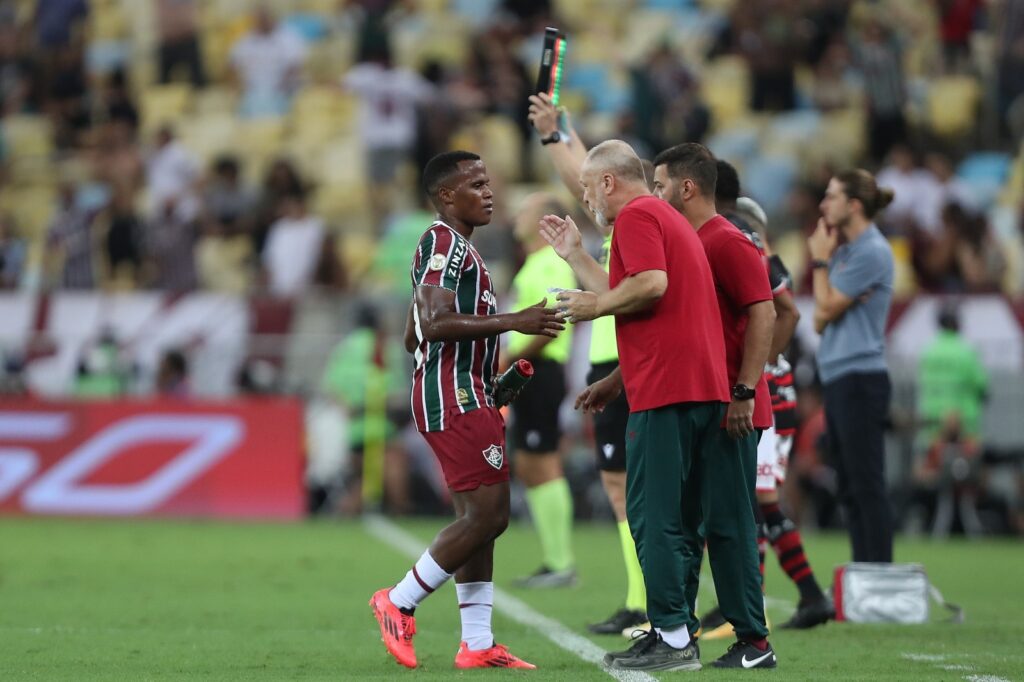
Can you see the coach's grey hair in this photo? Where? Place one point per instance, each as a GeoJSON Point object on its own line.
{"type": "Point", "coordinates": [618, 158]}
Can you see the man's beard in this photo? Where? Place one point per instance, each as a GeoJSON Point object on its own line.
{"type": "Point", "coordinates": [599, 217]}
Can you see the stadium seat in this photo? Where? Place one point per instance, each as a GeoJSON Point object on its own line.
{"type": "Point", "coordinates": [768, 179]}
{"type": "Point", "coordinates": [736, 143]}
{"type": "Point", "coordinates": [985, 173]}
{"type": "Point", "coordinates": [214, 100]}
{"type": "Point", "coordinates": [27, 136]}
{"type": "Point", "coordinates": [161, 104]}
{"type": "Point", "coordinates": [725, 86]}
{"type": "Point", "coordinates": [953, 105]}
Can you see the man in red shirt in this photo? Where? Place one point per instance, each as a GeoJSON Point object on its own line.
{"type": "Point", "coordinates": [672, 363]}
{"type": "Point", "coordinates": [685, 177]}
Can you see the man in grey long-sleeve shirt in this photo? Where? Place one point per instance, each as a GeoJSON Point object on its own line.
{"type": "Point", "coordinates": [853, 286]}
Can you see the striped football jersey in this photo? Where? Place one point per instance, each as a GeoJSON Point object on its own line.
{"type": "Point", "coordinates": [452, 377]}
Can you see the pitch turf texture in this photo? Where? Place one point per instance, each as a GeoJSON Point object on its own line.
{"type": "Point", "coordinates": [104, 600]}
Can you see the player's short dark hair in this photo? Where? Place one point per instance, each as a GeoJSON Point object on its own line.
{"type": "Point", "coordinates": [693, 161]}
{"type": "Point", "coordinates": [727, 187]}
{"type": "Point", "coordinates": [442, 167]}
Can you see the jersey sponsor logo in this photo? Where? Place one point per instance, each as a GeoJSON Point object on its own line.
{"type": "Point", "coordinates": [488, 298]}
{"type": "Point", "coordinates": [437, 261]}
{"type": "Point", "coordinates": [455, 264]}
{"type": "Point", "coordinates": [494, 455]}
{"type": "Point", "coordinates": [765, 470]}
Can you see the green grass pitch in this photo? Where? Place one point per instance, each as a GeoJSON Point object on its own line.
{"type": "Point", "coordinates": [139, 600]}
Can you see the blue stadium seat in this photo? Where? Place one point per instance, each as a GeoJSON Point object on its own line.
{"type": "Point", "coordinates": [985, 173]}
{"type": "Point", "coordinates": [769, 179]}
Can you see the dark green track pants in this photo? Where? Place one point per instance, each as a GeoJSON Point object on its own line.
{"type": "Point", "coordinates": [687, 480]}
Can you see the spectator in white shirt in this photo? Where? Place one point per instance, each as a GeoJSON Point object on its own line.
{"type": "Point", "coordinates": [294, 249]}
{"type": "Point", "coordinates": [267, 64]}
{"type": "Point", "coordinates": [172, 174]}
{"type": "Point", "coordinates": [909, 182]}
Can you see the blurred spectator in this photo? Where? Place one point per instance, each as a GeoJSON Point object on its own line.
{"type": "Point", "coordinates": [902, 175]}
{"type": "Point", "coordinates": [496, 71]}
{"type": "Point", "coordinates": [765, 34]}
{"type": "Point", "coordinates": [118, 105]}
{"type": "Point", "coordinates": [16, 68]}
{"type": "Point", "coordinates": [437, 116]}
{"type": "Point", "coordinates": [832, 89]}
{"type": "Point", "coordinates": [224, 253]}
{"type": "Point", "coordinates": [13, 251]}
{"type": "Point", "coordinates": [1009, 20]}
{"type": "Point", "coordinates": [65, 99]}
{"type": "Point", "coordinates": [965, 257]}
{"type": "Point", "coordinates": [170, 249]}
{"type": "Point", "coordinates": [70, 240]}
{"type": "Point", "coordinates": [57, 23]}
{"type": "Point", "coordinates": [952, 390]}
{"type": "Point", "coordinates": [177, 22]}
{"type": "Point", "coordinates": [878, 55]}
{"type": "Point", "coordinates": [365, 375]}
{"type": "Point", "coordinates": [667, 108]}
{"type": "Point", "coordinates": [172, 376]}
{"type": "Point", "coordinates": [294, 248]}
{"type": "Point", "coordinates": [281, 180]}
{"type": "Point", "coordinates": [940, 186]}
{"type": "Point", "coordinates": [267, 65]}
{"type": "Point", "coordinates": [172, 173]}
{"type": "Point", "coordinates": [124, 232]}
{"type": "Point", "coordinates": [388, 100]}
{"type": "Point", "coordinates": [957, 18]}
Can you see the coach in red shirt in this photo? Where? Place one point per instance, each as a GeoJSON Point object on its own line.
{"type": "Point", "coordinates": [685, 177]}
{"type": "Point", "coordinates": [672, 364]}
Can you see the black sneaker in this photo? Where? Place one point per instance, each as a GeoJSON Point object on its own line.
{"type": "Point", "coordinates": [811, 613]}
{"type": "Point", "coordinates": [544, 577]}
{"type": "Point", "coordinates": [618, 621]}
{"type": "Point", "coordinates": [746, 655]}
{"type": "Point", "coordinates": [650, 652]}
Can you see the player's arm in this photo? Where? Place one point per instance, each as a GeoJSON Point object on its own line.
{"type": "Point", "coordinates": [567, 156]}
{"type": "Point", "coordinates": [440, 322]}
{"type": "Point", "coordinates": [564, 237]}
{"type": "Point", "coordinates": [787, 315]}
{"type": "Point", "coordinates": [597, 395]}
{"type": "Point", "coordinates": [411, 342]}
{"type": "Point", "coordinates": [757, 341]}
{"type": "Point", "coordinates": [829, 302]}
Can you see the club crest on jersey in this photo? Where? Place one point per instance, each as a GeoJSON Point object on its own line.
{"type": "Point", "coordinates": [494, 456]}
{"type": "Point", "coordinates": [462, 395]}
{"type": "Point", "coordinates": [437, 261]}
{"type": "Point", "coordinates": [608, 449]}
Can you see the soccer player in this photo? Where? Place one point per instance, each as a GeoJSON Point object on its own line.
{"type": "Point", "coordinates": [776, 443]}
{"type": "Point", "coordinates": [672, 365]}
{"type": "Point", "coordinates": [568, 152]}
{"type": "Point", "coordinates": [453, 329]}
{"type": "Point", "coordinates": [685, 177]}
{"type": "Point", "coordinates": [536, 434]}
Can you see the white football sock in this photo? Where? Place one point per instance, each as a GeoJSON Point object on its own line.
{"type": "Point", "coordinates": [677, 638]}
{"type": "Point", "coordinates": [476, 601]}
{"type": "Point", "coordinates": [425, 577]}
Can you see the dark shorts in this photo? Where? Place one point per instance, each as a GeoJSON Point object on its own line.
{"type": "Point", "coordinates": [471, 449]}
{"type": "Point", "coordinates": [610, 425]}
{"type": "Point", "coordinates": [535, 410]}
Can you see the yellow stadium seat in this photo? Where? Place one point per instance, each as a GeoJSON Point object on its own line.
{"type": "Point", "coordinates": [216, 100]}
{"type": "Point", "coordinates": [208, 135]}
{"type": "Point", "coordinates": [725, 85]}
{"type": "Point", "coordinates": [501, 146]}
{"type": "Point", "coordinates": [953, 105]}
{"type": "Point", "coordinates": [162, 104]}
{"type": "Point", "coordinates": [27, 136]}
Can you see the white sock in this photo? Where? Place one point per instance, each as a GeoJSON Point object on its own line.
{"type": "Point", "coordinates": [425, 577]}
{"type": "Point", "coordinates": [677, 638]}
{"type": "Point", "coordinates": [476, 601]}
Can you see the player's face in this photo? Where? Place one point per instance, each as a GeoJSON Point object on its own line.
{"type": "Point", "coordinates": [835, 207]}
{"type": "Point", "coordinates": [472, 198]}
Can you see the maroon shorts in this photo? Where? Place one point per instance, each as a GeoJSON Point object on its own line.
{"type": "Point", "coordinates": [471, 449]}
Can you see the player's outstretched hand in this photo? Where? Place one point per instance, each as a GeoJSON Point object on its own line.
{"type": "Point", "coordinates": [598, 395]}
{"type": "Point", "coordinates": [543, 114]}
{"type": "Point", "coordinates": [539, 320]}
{"type": "Point", "coordinates": [562, 234]}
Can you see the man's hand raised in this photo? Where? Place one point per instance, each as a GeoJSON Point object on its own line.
{"type": "Point", "coordinates": [562, 234]}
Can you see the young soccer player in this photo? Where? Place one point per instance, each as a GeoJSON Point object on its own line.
{"type": "Point", "coordinates": [453, 329]}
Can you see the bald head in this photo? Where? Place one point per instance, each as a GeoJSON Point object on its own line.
{"type": "Point", "coordinates": [616, 158]}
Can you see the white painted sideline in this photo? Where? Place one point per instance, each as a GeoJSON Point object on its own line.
{"type": "Point", "coordinates": [392, 535]}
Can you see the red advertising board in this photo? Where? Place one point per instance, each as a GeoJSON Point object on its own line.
{"type": "Point", "coordinates": [233, 459]}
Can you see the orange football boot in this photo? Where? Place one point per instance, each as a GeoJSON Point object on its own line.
{"type": "Point", "coordinates": [497, 656]}
{"type": "Point", "coordinates": [396, 628]}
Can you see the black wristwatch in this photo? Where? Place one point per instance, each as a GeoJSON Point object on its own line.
{"type": "Point", "coordinates": [743, 392]}
{"type": "Point", "coordinates": [552, 138]}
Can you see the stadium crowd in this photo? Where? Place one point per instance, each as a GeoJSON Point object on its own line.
{"type": "Point", "coordinates": [182, 145]}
